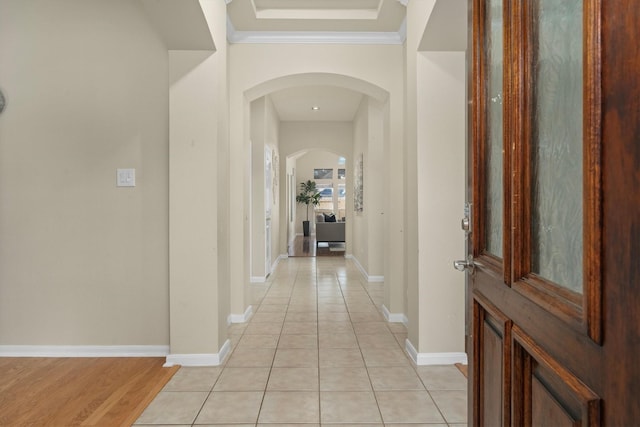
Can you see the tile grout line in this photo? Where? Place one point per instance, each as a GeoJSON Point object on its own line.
{"type": "Point", "coordinates": [346, 286]}
{"type": "Point", "coordinates": [366, 367]}
{"type": "Point", "coordinates": [273, 359]}
{"type": "Point", "coordinates": [318, 342]}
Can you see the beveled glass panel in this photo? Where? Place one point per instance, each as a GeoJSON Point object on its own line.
{"type": "Point", "coordinates": [494, 145]}
{"type": "Point", "coordinates": [557, 189]}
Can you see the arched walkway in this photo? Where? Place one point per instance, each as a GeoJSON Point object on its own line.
{"type": "Point", "coordinates": [269, 218]}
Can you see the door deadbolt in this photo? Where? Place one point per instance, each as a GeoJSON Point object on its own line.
{"type": "Point", "coordinates": [465, 224]}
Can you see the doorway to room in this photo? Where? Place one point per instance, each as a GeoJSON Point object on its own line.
{"type": "Point", "coordinates": [327, 213]}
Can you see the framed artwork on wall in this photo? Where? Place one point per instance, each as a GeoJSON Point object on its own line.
{"type": "Point", "coordinates": [275, 161]}
{"type": "Point", "coordinates": [358, 199]}
{"type": "Point", "coordinates": [323, 173]}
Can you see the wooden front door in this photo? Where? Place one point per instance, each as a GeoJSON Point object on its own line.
{"type": "Point", "coordinates": [554, 278]}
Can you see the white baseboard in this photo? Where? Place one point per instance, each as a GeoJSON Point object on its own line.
{"type": "Point", "coordinates": [240, 318]}
{"type": "Point", "coordinates": [277, 261]}
{"type": "Point", "coordinates": [423, 359]}
{"type": "Point", "coordinates": [263, 279]}
{"type": "Point", "coordinates": [394, 317]}
{"type": "Point", "coordinates": [84, 350]}
{"type": "Point", "coordinates": [370, 279]}
{"type": "Point", "coordinates": [202, 359]}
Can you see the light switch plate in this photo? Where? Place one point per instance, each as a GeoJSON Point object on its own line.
{"type": "Point", "coordinates": [126, 178]}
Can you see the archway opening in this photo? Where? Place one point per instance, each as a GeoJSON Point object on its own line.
{"type": "Point", "coordinates": [358, 139]}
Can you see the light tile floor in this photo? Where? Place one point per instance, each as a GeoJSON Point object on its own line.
{"type": "Point", "coordinates": [316, 351]}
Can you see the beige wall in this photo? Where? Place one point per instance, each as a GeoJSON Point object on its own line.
{"type": "Point", "coordinates": [273, 142]}
{"type": "Point", "coordinates": [418, 14]}
{"type": "Point", "coordinates": [193, 202]}
{"type": "Point", "coordinates": [264, 137]}
{"type": "Point", "coordinates": [369, 248]}
{"type": "Point", "coordinates": [360, 249]}
{"type": "Point", "coordinates": [436, 107]}
{"type": "Point", "coordinates": [216, 17]}
{"type": "Point", "coordinates": [197, 251]}
{"type": "Point", "coordinates": [81, 261]}
{"type": "Point", "coordinates": [441, 180]}
{"type": "Point", "coordinates": [377, 189]}
{"type": "Point", "coordinates": [257, 201]}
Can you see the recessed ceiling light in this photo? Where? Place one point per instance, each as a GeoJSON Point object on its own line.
{"type": "Point", "coordinates": [315, 108]}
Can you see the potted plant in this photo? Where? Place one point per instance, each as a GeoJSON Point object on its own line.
{"type": "Point", "coordinates": [309, 195]}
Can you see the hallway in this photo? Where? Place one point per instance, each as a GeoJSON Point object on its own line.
{"type": "Point", "coordinates": [316, 351]}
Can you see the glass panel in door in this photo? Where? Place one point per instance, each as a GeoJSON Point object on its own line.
{"type": "Point", "coordinates": [494, 133]}
{"type": "Point", "coordinates": [557, 140]}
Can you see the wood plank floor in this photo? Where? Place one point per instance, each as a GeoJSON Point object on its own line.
{"type": "Point", "coordinates": [78, 391]}
{"type": "Point", "coordinates": [305, 246]}
{"type": "Point", "coordinates": [463, 368]}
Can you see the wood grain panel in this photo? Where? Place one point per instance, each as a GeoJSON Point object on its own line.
{"type": "Point", "coordinates": [545, 410]}
{"type": "Point", "coordinates": [578, 360]}
{"type": "Point", "coordinates": [544, 388]}
{"type": "Point", "coordinates": [621, 210]}
{"type": "Point", "coordinates": [492, 365]}
{"type": "Point", "coordinates": [582, 311]}
{"type": "Point", "coordinates": [492, 373]}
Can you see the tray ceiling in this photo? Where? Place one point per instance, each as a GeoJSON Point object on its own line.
{"type": "Point", "coordinates": [375, 21]}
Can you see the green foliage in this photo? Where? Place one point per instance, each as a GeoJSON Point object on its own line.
{"type": "Point", "coordinates": [309, 195]}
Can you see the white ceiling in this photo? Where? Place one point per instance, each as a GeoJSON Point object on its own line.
{"type": "Point", "coordinates": [335, 104]}
{"type": "Point", "coordinates": [181, 24]}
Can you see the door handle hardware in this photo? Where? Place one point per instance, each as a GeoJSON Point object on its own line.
{"type": "Point", "coordinates": [465, 265]}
